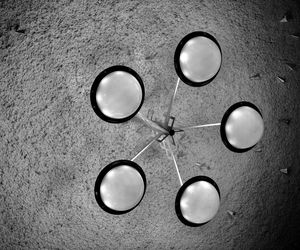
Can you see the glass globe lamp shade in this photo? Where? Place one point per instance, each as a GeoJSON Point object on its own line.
{"type": "Point", "coordinates": [120, 187]}
{"type": "Point", "coordinates": [242, 127]}
{"type": "Point", "coordinates": [197, 59]}
{"type": "Point", "coordinates": [197, 201]}
{"type": "Point", "coordinates": [117, 94]}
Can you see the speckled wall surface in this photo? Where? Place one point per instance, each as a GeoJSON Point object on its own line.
{"type": "Point", "coordinates": [52, 145]}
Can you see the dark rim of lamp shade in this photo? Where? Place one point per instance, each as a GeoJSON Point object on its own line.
{"type": "Point", "coordinates": [224, 121]}
{"type": "Point", "coordinates": [177, 57]}
{"type": "Point", "coordinates": [96, 83]}
{"type": "Point", "coordinates": [180, 193]}
{"type": "Point", "coordinates": [102, 175]}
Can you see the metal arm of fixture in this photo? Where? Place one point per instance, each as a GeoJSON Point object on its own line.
{"type": "Point", "coordinates": [147, 146]}
{"type": "Point", "coordinates": [153, 125]}
{"type": "Point", "coordinates": [197, 126]}
{"type": "Point", "coordinates": [175, 163]}
{"type": "Point", "coordinates": [171, 104]}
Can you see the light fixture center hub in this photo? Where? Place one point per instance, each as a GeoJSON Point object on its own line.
{"type": "Point", "coordinates": [171, 132]}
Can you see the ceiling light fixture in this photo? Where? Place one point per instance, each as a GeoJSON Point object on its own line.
{"type": "Point", "coordinates": [117, 95]}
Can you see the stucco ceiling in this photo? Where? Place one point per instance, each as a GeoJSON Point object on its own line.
{"type": "Point", "coordinates": [53, 145]}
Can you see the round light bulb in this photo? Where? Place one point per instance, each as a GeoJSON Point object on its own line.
{"type": "Point", "coordinates": [122, 188]}
{"type": "Point", "coordinates": [199, 202]}
{"type": "Point", "coordinates": [119, 95]}
{"type": "Point", "coordinates": [244, 127]}
{"type": "Point", "coordinates": [200, 59]}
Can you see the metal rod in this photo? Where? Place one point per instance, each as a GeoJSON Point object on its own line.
{"type": "Point", "coordinates": [147, 146]}
{"type": "Point", "coordinates": [175, 163]}
{"type": "Point", "coordinates": [200, 126]}
{"type": "Point", "coordinates": [171, 103]}
{"type": "Point", "coordinates": [151, 124]}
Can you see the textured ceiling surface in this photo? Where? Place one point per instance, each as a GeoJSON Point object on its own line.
{"type": "Point", "coordinates": [53, 145]}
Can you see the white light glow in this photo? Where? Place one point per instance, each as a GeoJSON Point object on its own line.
{"type": "Point", "coordinates": [190, 42]}
{"type": "Point", "coordinates": [233, 142]}
{"type": "Point", "coordinates": [190, 189]}
{"type": "Point", "coordinates": [107, 203]}
{"type": "Point", "coordinates": [228, 128]}
{"type": "Point", "coordinates": [110, 174]}
{"type": "Point", "coordinates": [186, 73]}
{"type": "Point", "coordinates": [106, 111]}
{"type": "Point", "coordinates": [104, 81]}
{"type": "Point", "coordinates": [119, 73]}
{"type": "Point", "coordinates": [99, 97]}
{"type": "Point", "coordinates": [103, 189]}
{"type": "Point", "coordinates": [184, 203]}
{"type": "Point", "coordinates": [184, 57]}
{"type": "Point", "coordinates": [203, 184]}
{"type": "Point", "coordinates": [236, 114]}
{"type": "Point", "coordinates": [126, 168]}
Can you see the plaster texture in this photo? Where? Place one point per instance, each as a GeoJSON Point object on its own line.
{"type": "Point", "coordinates": [52, 144]}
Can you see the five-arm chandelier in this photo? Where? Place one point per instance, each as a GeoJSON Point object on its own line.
{"type": "Point", "coordinates": [117, 95]}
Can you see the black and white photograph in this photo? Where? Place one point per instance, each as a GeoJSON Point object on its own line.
{"type": "Point", "coordinates": [154, 124]}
